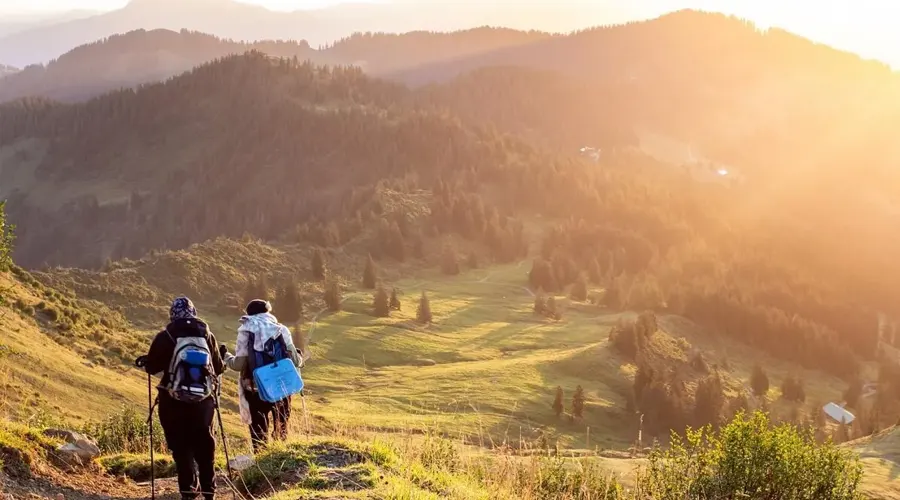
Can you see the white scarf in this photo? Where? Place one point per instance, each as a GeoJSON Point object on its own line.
{"type": "Point", "coordinates": [263, 327]}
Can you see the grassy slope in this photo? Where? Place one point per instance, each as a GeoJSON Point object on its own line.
{"type": "Point", "coordinates": [484, 372]}
{"type": "Point", "coordinates": [880, 455]}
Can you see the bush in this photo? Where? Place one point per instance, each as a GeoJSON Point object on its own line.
{"type": "Point", "coordinates": [749, 458]}
{"type": "Point", "coordinates": [137, 467]}
{"type": "Point", "coordinates": [126, 431]}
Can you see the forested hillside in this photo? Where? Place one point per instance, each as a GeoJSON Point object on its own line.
{"type": "Point", "coordinates": [131, 59]}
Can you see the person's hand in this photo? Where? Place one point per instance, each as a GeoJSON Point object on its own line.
{"type": "Point", "coordinates": [223, 350]}
{"type": "Point", "coordinates": [141, 361]}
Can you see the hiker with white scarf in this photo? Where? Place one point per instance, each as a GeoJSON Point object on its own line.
{"type": "Point", "coordinates": [261, 325]}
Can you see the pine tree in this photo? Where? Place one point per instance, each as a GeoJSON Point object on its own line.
{"type": "Point", "coordinates": [449, 261]}
{"type": "Point", "coordinates": [579, 289]}
{"type": "Point", "coordinates": [370, 277]}
{"type": "Point", "coordinates": [319, 268]}
{"type": "Point", "coordinates": [289, 304]}
{"type": "Point", "coordinates": [736, 405]}
{"type": "Point", "coordinates": [381, 303]}
{"type": "Point", "coordinates": [423, 313]}
{"type": "Point", "coordinates": [853, 392]}
{"type": "Point", "coordinates": [395, 300]}
{"type": "Point", "coordinates": [595, 273]}
{"type": "Point", "coordinates": [558, 402]}
{"type": "Point", "coordinates": [256, 290]}
{"type": "Point", "coordinates": [759, 381]}
{"type": "Point", "coordinates": [709, 401]}
{"type": "Point", "coordinates": [333, 297]}
{"type": "Point", "coordinates": [578, 402]}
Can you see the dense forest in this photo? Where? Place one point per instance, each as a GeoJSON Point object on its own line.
{"type": "Point", "coordinates": [284, 149]}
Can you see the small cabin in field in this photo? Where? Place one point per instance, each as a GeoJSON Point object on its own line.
{"type": "Point", "coordinates": [838, 413]}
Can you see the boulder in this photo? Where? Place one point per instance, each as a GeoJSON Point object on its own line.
{"type": "Point", "coordinates": [78, 450]}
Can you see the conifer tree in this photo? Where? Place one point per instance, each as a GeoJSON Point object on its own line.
{"type": "Point", "coordinates": [595, 273]}
{"type": "Point", "coordinates": [395, 300]}
{"type": "Point", "coordinates": [370, 276]}
{"type": "Point", "coordinates": [853, 392]}
{"type": "Point", "coordinates": [578, 402]}
{"type": "Point", "coordinates": [381, 303]}
{"type": "Point", "coordinates": [709, 401]}
{"type": "Point", "coordinates": [288, 303]}
{"type": "Point", "coordinates": [319, 268]}
{"type": "Point", "coordinates": [423, 313]}
{"type": "Point", "coordinates": [580, 289]}
{"type": "Point", "coordinates": [333, 296]}
{"type": "Point", "coordinates": [759, 381]}
{"type": "Point", "coordinates": [449, 261]}
{"type": "Point", "coordinates": [558, 402]}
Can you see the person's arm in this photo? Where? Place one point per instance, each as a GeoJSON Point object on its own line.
{"type": "Point", "coordinates": [238, 360]}
{"type": "Point", "coordinates": [218, 365]}
{"type": "Point", "coordinates": [292, 349]}
{"type": "Point", "coordinates": [160, 354]}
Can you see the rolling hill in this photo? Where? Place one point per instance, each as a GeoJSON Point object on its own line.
{"type": "Point", "coordinates": [132, 59]}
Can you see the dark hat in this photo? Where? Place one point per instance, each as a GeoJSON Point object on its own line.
{"type": "Point", "coordinates": [182, 308]}
{"type": "Point", "coordinates": [258, 306]}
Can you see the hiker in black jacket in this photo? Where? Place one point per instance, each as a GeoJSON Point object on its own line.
{"type": "Point", "coordinates": [188, 426]}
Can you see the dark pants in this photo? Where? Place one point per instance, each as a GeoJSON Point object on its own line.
{"type": "Point", "coordinates": [260, 413]}
{"type": "Point", "coordinates": [189, 435]}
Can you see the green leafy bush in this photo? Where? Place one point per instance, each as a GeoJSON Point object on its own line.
{"type": "Point", "coordinates": [750, 458]}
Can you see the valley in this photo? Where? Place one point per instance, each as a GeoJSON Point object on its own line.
{"type": "Point", "coordinates": [491, 310]}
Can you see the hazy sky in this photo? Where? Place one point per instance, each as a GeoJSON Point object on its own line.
{"type": "Point", "coordinates": [868, 27]}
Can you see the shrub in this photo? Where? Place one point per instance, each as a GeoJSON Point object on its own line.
{"type": "Point", "coordinates": [137, 467]}
{"type": "Point", "coordinates": [125, 431]}
{"type": "Point", "coordinates": [749, 458]}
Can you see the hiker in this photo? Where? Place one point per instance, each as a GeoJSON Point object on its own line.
{"type": "Point", "coordinates": [259, 326]}
{"type": "Point", "coordinates": [186, 353]}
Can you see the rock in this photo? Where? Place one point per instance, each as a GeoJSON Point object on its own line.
{"type": "Point", "coordinates": [78, 450]}
{"type": "Point", "coordinates": [60, 496]}
{"type": "Point", "coordinates": [241, 463]}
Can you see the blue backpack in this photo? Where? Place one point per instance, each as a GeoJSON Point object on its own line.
{"type": "Point", "coordinates": [274, 374]}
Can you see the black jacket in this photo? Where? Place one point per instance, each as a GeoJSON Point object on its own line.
{"type": "Point", "coordinates": [163, 348]}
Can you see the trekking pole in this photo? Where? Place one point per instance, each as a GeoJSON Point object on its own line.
{"type": "Point", "coordinates": [305, 418]}
{"type": "Point", "coordinates": [222, 430]}
{"type": "Point", "coordinates": [141, 362]}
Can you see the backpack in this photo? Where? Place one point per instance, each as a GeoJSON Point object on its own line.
{"type": "Point", "coordinates": [273, 373]}
{"type": "Point", "coordinates": [191, 378]}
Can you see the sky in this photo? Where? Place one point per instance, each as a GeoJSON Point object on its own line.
{"type": "Point", "coordinates": [867, 27]}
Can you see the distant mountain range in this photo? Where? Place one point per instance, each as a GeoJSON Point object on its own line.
{"type": "Point", "coordinates": [238, 21]}
{"type": "Point", "coordinates": [140, 56]}
{"type": "Point", "coordinates": [10, 24]}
